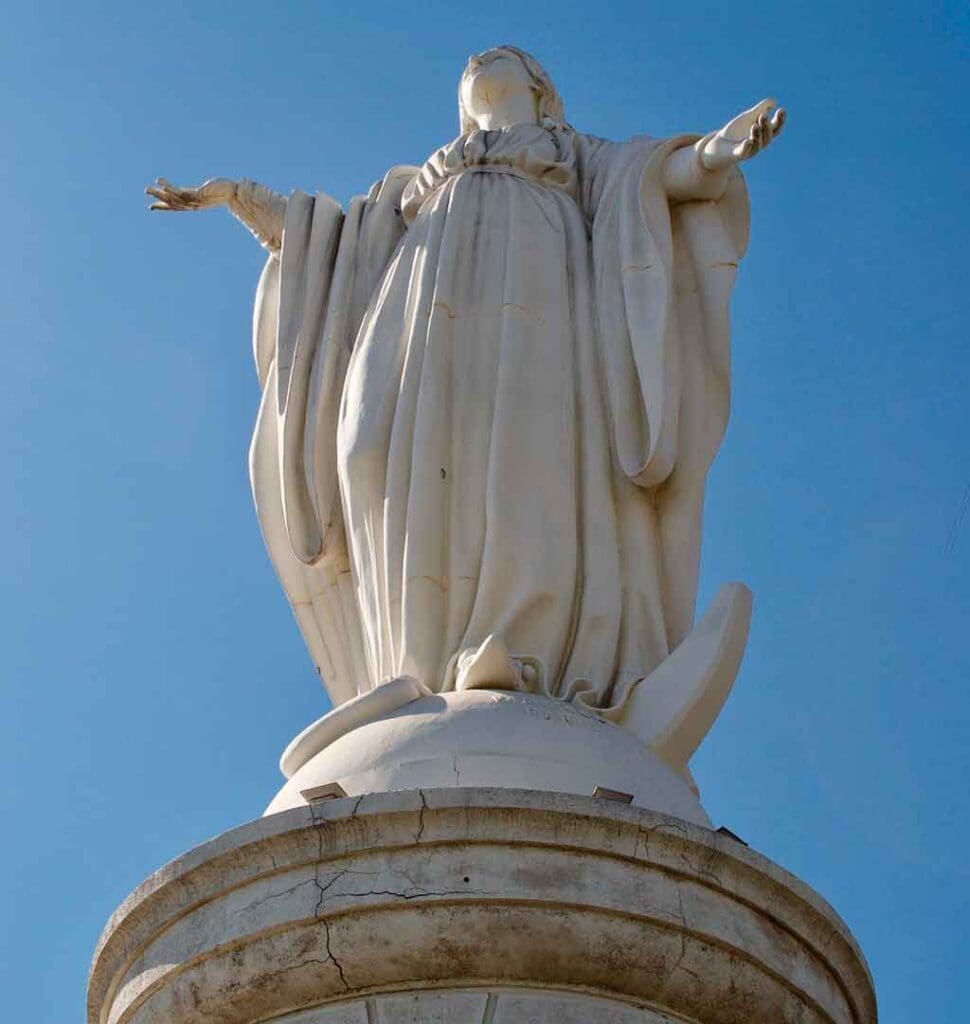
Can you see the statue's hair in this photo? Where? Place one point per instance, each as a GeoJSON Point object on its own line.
{"type": "Point", "coordinates": [549, 101]}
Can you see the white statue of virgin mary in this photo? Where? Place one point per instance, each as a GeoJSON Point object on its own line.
{"type": "Point", "coordinates": [492, 390]}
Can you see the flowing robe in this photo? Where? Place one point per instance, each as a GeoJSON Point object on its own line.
{"type": "Point", "coordinates": [492, 393]}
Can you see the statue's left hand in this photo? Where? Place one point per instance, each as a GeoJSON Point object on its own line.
{"type": "Point", "coordinates": [744, 136]}
{"type": "Point", "coordinates": [214, 192]}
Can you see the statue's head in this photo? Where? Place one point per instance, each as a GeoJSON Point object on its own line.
{"type": "Point", "coordinates": [502, 70]}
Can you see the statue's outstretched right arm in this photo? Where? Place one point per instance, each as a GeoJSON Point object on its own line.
{"type": "Point", "coordinates": [701, 171]}
{"type": "Point", "coordinates": [261, 209]}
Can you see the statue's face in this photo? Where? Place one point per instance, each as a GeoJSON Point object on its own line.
{"type": "Point", "coordinates": [493, 80]}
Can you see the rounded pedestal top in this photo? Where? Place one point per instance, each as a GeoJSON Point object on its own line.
{"type": "Point", "coordinates": [493, 738]}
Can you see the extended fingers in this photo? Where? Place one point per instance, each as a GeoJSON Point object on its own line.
{"type": "Point", "coordinates": [757, 139]}
{"type": "Point", "coordinates": [172, 198]}
{"type": "Point", "coordinates": [763, 131]}
{"type": "Point", "coordinates": [770, 126]}
{"type": "Point", "coordinates": [162, 186]}
{"type": "Point", "coordinates": [739, 127]}
{"type": "Point", "coordinates": [759, 132]}
{"type": "Point", "coordinates": [166, 200]}
{"type": "Point", "coordinates": [762, 108]}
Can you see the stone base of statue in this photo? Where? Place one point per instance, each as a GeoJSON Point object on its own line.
{"type": "Point", "coordinates": [475, 905]}
{"type": "Point", "coordinates": [478, 738]}
{"type": "Point", "coordinates": [399, 735]}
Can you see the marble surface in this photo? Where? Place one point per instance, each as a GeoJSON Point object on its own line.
{"type": "Point", "coordinates": [492, 390]}
{"type": "Point", "coordinates": [433, 904]}
{"type": "Point", "coordinates": [493, 738]}
{"type": "Point", "coordinates": [487, 1006]}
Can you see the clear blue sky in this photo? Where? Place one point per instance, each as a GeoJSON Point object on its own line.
{"type": "Point", "coordinates": [150, 671]}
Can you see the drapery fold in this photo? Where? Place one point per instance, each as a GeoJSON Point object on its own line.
{"type": "Point", "coordinates": [441, 351]}
{"type": "Point", "coordinates": [664, 274]}
{"type": "Point", "coordinates": [309, 303]}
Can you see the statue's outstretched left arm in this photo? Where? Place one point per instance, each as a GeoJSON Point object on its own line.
{"type": "Point", "coordinates": [701, 171]}
{"type": "Point", "coordinates": [261, 209]}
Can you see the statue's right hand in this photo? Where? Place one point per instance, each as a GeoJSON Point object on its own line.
{"type": "Point", "coordinates": [214, 192]}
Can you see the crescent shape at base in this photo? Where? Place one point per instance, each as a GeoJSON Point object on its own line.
{"type": "Point", "coordinates": [673, 708]}
{"type": "Point", "coordinates": [670, 711]}
{"type": "Point", "coordinates": [383, 700]}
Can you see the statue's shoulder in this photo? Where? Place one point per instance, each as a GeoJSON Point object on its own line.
{"type": "Point", "coordinates": [389, 188]}
{"type": "Point", "coordinates": [604, 164]}
{"type": "Point", "coordinates": [598, 155]}
{"type": "Point", "coordinates": [596, 143]}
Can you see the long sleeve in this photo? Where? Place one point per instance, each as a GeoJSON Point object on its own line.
{"type": "Point", "coordinates": [685, 177]}
{"type": "Point", "coordinates": [262, 210]}
{"type": "Point", "coordinates": [664, 269]}
{"type": "Point", "coordinates": [309, 304]}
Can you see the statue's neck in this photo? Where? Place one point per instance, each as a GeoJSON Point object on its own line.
{"type": "Point", "coordinates": [508, 111]}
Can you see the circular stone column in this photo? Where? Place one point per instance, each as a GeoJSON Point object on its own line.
{"type": "Point", "coordinates": [469, 906]}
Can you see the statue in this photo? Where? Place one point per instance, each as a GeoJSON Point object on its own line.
{"type": "Point", "coordinates": [492, 391]}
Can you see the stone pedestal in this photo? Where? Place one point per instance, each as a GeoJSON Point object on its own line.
{"type": "Point", "coordinates": [485, 738]}
{"type": "Point", "coordinates": [467, 906]}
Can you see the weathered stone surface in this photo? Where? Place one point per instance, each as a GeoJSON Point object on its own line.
{"type": "Point", "coordinates": [490, 738]}
{"type": "Point", "coordinates": [492, 391]}
{"type": "Point", "coordinates": [454, 904]}
{"type": "Point", "coordinates": [498, 1006]}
